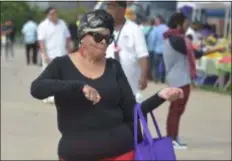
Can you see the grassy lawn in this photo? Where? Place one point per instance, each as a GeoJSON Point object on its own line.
{"type": "Point", "coordinates": [212, 89]}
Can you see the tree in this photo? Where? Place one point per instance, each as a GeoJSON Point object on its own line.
{"type": "Point", "coordinates": [71, 15]}
{"type": "Point", "coordinates": [16, 11]}
{"type": "Point", "coordinates": [20, 11]}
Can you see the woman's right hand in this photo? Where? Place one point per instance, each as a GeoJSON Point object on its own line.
{"type": "Point", "coordinates": [91, 94]}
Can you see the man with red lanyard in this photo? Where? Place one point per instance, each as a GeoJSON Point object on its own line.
{"type": "Point", "coordinates": [129, 48]}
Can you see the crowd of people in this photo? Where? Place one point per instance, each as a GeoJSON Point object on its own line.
{"type": "Point", "coordinates": [153, 31]}
{"type": "Point", "coordinates": [31, 33]}
{"type": "Point", "coordinates": [95, 71]}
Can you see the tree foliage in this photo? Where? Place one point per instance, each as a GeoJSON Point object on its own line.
{"type": "Point", "coordinates": [14, 10]}
{"type": "Point", "coordinates": [20, 11]}
{"type": "Point", "coordinates": [71, 15]}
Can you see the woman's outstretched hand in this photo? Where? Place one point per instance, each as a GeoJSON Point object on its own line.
{"type": "Point", "coordinates": [171, 94]}
{"type": "Point", "coordinates": [91, 94]}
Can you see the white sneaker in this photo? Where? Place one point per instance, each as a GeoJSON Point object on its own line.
{"type": "Point", "coordinates": [45, 101]}
{"type": "Point", "coordinates": [177, 145]}
{"type": "Point", "coordinates": [49, 100]}
{"type": "Point", "coordinates": [139, 97]}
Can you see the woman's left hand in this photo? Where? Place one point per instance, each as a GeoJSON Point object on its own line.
{"type": "Point", "coordinates": [171, 94]}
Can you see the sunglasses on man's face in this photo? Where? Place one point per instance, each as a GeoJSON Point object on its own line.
{"type": "Point", "coordinates": [99, 37]}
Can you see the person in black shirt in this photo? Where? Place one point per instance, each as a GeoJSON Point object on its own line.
{"type": "Point", "coordinates": [93, 98]}
{"type": "Point", "coordinates": [9, 31]}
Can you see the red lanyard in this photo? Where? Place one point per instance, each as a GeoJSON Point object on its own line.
{"type": "Point", "coordinates": [116, 47]}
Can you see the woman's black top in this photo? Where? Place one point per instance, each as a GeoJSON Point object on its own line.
{"type": "Point", "coordinates": [97, 131]}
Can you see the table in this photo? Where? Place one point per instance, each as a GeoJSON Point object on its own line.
{"type": "Point", "coordinates": [211, 66]}
{"type": "Point", "coordinates": [223, 68]}
{"type": "Point", "coordinates": [207, 67]}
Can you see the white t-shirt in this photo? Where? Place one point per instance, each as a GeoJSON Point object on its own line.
{"type": "Point", "coordinates": [132, 47]}
{"type": "Point", "coordinates": [30, 32]}
{"type": "Point", "coordinates": [194, 34]}
{"type": "Point", "coordinates": [54, 37]}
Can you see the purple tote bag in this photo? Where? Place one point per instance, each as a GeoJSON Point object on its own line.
{"type": "Point", "coordinates": [160, 148]}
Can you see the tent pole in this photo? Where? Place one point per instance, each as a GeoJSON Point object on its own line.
{"type": "Point", "coordinates": [226, 22]}
{"type": "Point", "coordinates": [230, 31]}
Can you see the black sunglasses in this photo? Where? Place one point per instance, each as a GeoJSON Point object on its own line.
{"type": "Point", "coordinates": [99, 37]}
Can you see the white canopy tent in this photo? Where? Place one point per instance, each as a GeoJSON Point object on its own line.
{"type": "Point", "coordinates": [219, 5]}
{"type": "Point", "coordinates": [213, 4]}
{"type": "Point", "coordinates": [183, 4]}
{"type": "Point", "coordinates": [209, 4]}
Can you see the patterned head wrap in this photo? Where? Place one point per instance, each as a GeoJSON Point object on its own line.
{"type": "Point", "coordinates": [95, 21]}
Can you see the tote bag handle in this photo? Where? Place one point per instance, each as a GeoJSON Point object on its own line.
{"type": "Point", "coordinates": [138, 114]}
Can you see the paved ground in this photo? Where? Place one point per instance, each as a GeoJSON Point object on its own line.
{"type": "Point", "coordinates": [28, 127]}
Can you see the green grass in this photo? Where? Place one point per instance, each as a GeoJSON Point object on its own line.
{"type": "Point", "coordinates": [217, 90]}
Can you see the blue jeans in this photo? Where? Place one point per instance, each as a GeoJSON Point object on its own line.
{"type": "Point", "coordinates": [158, 68]}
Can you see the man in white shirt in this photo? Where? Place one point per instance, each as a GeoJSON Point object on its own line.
{"type": "Point", "coordinates": [54, 38]}
{"type": "Point", "coordinates": [29, 32]}
{"type": "Point", "coordinates": [193, 32]}
{"type": "Point", "coordinates": [129, 48]}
